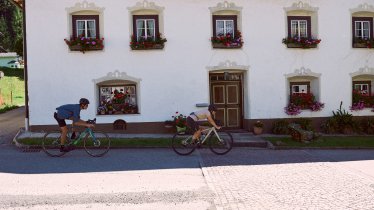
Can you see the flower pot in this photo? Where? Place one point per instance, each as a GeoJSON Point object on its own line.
{"type": "Point", "coordinates": [117, 107]}
{"type": "Point", "coordinates": [257, 130]}
{"type": "Point", "coordinates": [102, 112]}
{"type": "Point", "coordinates": [181, 129]}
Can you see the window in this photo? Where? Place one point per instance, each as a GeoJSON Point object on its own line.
{"type": "Point", "coordinates": [299, 87]}
{"type": "Point", "coordinates": [224, 24]}
{"type": "Point", "coordinates": [362, 27]}
{"type": "Point", "coordinates": [299, 26]}
{"type": "Point", "coordinates": [145, 27]}
{"type": "Point", "coordinates": [86, 25]}
{"type": "Point", "coordinates": [119, 98]}
{"type": "Point", "coordinates": [362, 87]}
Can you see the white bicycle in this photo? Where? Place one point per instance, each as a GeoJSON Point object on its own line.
{"type": "Point", "coordinates": [220, 142]}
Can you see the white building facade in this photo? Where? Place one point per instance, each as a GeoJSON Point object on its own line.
{"type": "Point", "coordinates": [249, 80]}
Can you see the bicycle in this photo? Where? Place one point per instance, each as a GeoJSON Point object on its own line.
{"type": "Point", "coordinates": [220, 142]}
{"type": "Point", "coordinates": [95, 143]}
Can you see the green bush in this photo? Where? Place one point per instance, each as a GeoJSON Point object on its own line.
{"type": "Point", "coordinates": [281, 127]}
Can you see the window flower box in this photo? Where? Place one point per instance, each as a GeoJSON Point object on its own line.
{"type": "Point", "coordinates": [304, 43]}
{"type": "Point", "coordinates": [227, 41]}
{"type": "Point", "coordinates": [303, 101]}
{"type": "Point", "coordinates": [361, 101]}
{"type": "Point", "coordinates": [84, 44]}
{"type": "Point", "coordinates": [149, 43]}
{"type": "Point", "coordinates": [363, 43]}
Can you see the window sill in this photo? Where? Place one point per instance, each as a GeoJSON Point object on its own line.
{"type": "Point", "coordinates": [297, 45]}
{"type": "Point", "coordinates": [148, 47]}
{"type": "Point", "coordinates": [223, 46]}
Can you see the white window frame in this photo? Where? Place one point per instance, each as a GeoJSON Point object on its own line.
{"type": "Point", "coordinates": [361, 88]}
{"type": "Point", "coordinates": [225, 27]}
{"type": "Point", "coordinates": [298, 31]}
{"type": "Point", "coordinates": [361, 22]}
{"type": "Point", "coordinates": [86, 27]}
{"type": "Point", "coordinates": [146, 28]}
{"type": "Point", "coordinates": [301, 87]}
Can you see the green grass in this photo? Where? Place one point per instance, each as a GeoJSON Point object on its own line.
{"type": "Point", "coordinates": [120, 142]}
{"type": "Point", "coordinates": [327, 142]}
{"type": "Point", "coordinates": [12, 87]}
{"type": "Point", "coordinates": [6, 108]}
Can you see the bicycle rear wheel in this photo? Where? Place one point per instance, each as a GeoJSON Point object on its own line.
{"type": "Point", "coordinates": [51, 144]}
{"type": "Point", "coordinates": [97, 144]}
{"type": "Point", "coordinates": [182, 144]}
{"type": "Point", "coordinates": [220, 144]}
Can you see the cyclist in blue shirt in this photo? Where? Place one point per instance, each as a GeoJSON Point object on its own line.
{"type": "Point", "coordinates": [70, 112]}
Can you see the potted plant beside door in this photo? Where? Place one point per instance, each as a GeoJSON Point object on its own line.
{"type": "Point", "coordinates": [258, 127]}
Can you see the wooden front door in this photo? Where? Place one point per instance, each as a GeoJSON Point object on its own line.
{"type": "Point", "coordinates": [226, 94]}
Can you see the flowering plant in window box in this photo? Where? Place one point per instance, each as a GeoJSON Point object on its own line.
{"type": "Point", "coordinates": [83, 44]}
{"type": "Point", "coordinates": [301, 101]}
{"type": "Point", "coordinates": [304, 43]}
{"type": "Point", "coordinates": [147, 43]}
{"type": "Point", "coordinates": [102, 109]}
{"type": "Point", "coordinates": [363, 43]}
{"type": "Point", "coordinates": [227, 41]}
{"type": "Point", "coordinates": [361, 100]}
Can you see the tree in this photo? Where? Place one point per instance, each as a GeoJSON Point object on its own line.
{"type": "Point", "coordinates": [11, 27]}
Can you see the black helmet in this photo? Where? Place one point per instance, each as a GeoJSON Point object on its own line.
{"type": "Point", "coordinates": [84, 101]}
{"type": "Point", "coordinates": [212, 108]}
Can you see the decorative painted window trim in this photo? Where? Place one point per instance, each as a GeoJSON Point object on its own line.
{"type": "Point", "coordinates": [361, 101]}
{"type": "Point", "coordinates": [363, 8]}
{"type": "Point", "coordinates": [147, 9]}
{"type": "Point", "coordinates": [226, 11]}
{"type": "Point", "coordinates": [85, 9]}
{"type": "Point", "coordinates": [302, 11]}
{"type": "Point", "coordinates": [227, 65]}
{"type": "Point", "coordinates": [118, 79]}
{"type": "Point", "coordinates": [303, 101]}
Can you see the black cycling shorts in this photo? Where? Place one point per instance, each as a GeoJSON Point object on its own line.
{"type": "Point", "coordinates": [192, 124]}
{"type": "Point", "coordinates": [61, 122]}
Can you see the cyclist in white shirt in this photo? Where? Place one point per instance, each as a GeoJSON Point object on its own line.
{"type": "Point", "coordinates": [208, 114]}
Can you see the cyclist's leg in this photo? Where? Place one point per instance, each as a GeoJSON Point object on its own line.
{"type": "Point", "coordinates": [64, 131]}
{"type": "Point", "coordinates": [194, 126]}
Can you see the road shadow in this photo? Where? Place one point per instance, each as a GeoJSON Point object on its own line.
{"type": "Point", "coordinates": [77, 161]}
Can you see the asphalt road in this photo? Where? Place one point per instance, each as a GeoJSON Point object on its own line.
{"type": "Point", "coordinates": [10, 123]}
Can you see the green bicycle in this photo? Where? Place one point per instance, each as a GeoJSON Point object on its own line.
{"type": "Point", "coordinates": [95, 143]}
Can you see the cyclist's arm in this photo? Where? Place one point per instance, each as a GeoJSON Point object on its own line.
{"type": "Point", "coordinates": [83, 123]}
{"type": "Point", "coordinates": [211, 121]}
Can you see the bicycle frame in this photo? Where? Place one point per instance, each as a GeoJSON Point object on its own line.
{"type": "Point", "coordinates": [82, 135]}
{"type": "Point", "coordinates": [209, 131]}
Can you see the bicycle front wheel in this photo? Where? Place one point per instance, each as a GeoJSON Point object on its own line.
{"type": "Point", "coordinates": [97, 144]}
{"type": "Point", "coordinates": [51, 144]}
{"type": "Point", "coordinates": [182, 144]}
{"type": "Point", "coordinates": [220, 144]}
